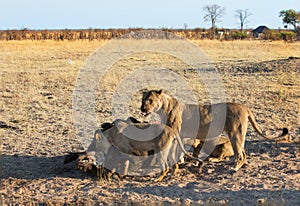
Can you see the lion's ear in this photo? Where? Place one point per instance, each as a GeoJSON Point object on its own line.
{"type": "Point", "coordinates": [121, 126]}
{"type": "Point", "coordinates": [160, 91]}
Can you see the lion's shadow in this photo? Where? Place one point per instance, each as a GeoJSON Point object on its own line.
{"type": "Point", "coordinates": [259, 147]}
{"type": "Point", "coordinates": [33, 167]}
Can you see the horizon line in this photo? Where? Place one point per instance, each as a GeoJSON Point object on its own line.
{"type": "Point", "coordinates": [128, 28]}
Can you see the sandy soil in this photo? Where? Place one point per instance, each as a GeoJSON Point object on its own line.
{"type": "Point", "coordinates": [37, 132]}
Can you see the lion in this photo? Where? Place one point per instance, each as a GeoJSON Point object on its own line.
{"type": "Point", "coordinates": [162, 144]}
{"type": "Point", "coordinates": [205, 121]}
{"type": "Point", "coordinates": [222, 149]}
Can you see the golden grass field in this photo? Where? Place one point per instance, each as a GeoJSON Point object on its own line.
{"type": "Point", "coordinates": [37, 82]}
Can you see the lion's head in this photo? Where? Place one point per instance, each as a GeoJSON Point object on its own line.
{"type": "Point", "coordinates": [151, 102]}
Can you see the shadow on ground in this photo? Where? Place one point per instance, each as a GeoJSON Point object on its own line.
{"type": "Point", "coordinates": [32, 167]}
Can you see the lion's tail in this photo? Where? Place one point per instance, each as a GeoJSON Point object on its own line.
{"type": "Point", "coordinates": [255, 125]}
{"type": "Point", "coordinates": [186, 153]}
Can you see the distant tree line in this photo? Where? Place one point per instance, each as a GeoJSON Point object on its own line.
{"type": "Point", "coordinates": [62, 35]}
{"type": "Point", "coordinates": [107, 34]}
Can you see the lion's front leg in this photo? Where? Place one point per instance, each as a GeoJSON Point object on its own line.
{"type": "Point", "coordinates": [162, 159]}
{"type": "Point", "coordinates": [174, 156]}
{"type": "Point", "coordinates": [162, 175]}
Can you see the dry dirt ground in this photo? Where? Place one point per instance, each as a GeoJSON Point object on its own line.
{"type": "Point", "coordinates": [37, 130]}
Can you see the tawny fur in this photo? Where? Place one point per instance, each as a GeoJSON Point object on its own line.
{"type": "Point", "coordinates": [162, 144]}
{"type": "Point", "coordinates": [205, 121]}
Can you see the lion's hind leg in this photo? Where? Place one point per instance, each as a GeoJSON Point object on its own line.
{"type": "Point", "coordinates": [237, 139]}
{"type": "Point", "coordinates": [175, 170]}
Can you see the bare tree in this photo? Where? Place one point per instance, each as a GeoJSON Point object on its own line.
{"type": "Point", "coordinates": [213, 13]}
{"type": "Point", "coordinates": [242, 15]}
{"type": "Point", "coordinates": [185, 25]}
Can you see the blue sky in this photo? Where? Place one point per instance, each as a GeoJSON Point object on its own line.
{"type": "Point", "coordinates": [75, 14]}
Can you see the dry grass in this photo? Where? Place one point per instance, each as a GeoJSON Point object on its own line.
{"type": "Point", "coordinates": [248, 51]}
{"type": "Point", "coordinates": [48, 55]}
{"type": "Point", "coordinates": [32, 56]}
{"type": "Point", "coordinates": [37, 81]}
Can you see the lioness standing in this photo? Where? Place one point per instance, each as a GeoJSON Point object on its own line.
{"type": "Point", "coordinates": [204, 122]}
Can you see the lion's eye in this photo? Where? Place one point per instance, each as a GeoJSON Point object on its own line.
{"type": "Point", "coordinates": [150, 101]}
